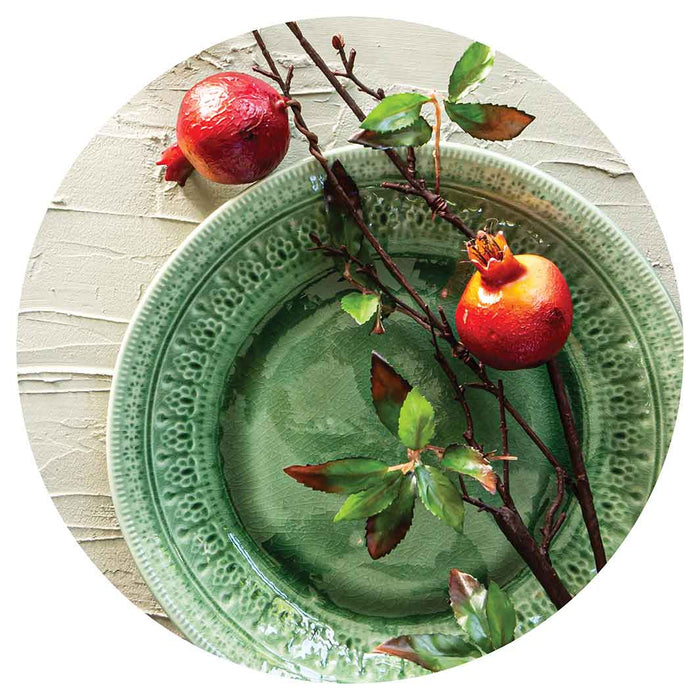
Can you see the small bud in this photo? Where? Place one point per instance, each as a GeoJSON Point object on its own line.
{"type": "Point", "coordinates": [378, 326]}
{"type": "Point", "coordinates": [338, 42]}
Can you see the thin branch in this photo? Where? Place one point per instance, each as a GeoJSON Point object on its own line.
{"type": "Point", "coordinates": [316, 152]}
{"type": "Point", "coordinates": [349, 73]}
{"type": "Point", "coordinates": [436, 202]}
{"type": "Point", "coordinates": [582, 485]}
{"type": "Point", "coordinates": [457, 389]}
{"type": "Point", "coordinates": [476, 502]}
{"type": "Point", "coordinates": [370, 271]}
{"type": "Point", "coordinates": [411, 161]}
{"type": "Point", "coordinates": [436, 151]}
{"type": "Point", "coordinates": [504, 444]}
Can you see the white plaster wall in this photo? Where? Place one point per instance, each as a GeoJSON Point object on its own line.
{"type": "Point", "coordinates": [114, 221]}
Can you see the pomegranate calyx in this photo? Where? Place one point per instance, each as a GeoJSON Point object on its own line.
{"type": "Point", "coordinates": [177, 167]}
{"type": "Point", "coordinates": [493, 258]}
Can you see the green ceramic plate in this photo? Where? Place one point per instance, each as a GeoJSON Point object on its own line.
{"type": "Point", "coordinates": [240, 362]}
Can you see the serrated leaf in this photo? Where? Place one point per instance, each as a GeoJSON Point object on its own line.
{"type": "Point", "coordinates": [386, 529]}
{"type": "Point", "coordinates": [342, 229]}
{"type": "Point", "coordinates": [468, 601]}
{"type": "Point", "coordinates": [389, 391]}
{"type": "Point", "coordinates": [501, 616]}
{"type": "Point", "coordinates": [360, 306]}
{"type": "Point", "coordinates": [341, 475]}
{"type": "Point", "coordinates": [436, 652]}
{"type": "Point", "coordinates": [371, 501]}
{"type": "Point", "coordinates": [471, 70]}
{"type": "Point", "coordinates": [470, 462]}
{"type": "Point", "coordinates": [416, 421]}
{"type": "Point", "coordinates": [395, 112]}
{"type": "Point", "coordinates": [440, 496]}
{"type": "Point", "coordinates": [486, 121]}
{"type": "Point", "coordinates": [417, 134]}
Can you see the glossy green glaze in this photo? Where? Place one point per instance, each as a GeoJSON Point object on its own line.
{"type": "Point", "coordinates": [240, 362]}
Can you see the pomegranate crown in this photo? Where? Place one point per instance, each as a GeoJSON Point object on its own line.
{"type": "Point", "coordinates": [493, 257]}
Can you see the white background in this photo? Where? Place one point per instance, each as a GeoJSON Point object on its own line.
{"type": "Point", "coordinates": [67, 66]}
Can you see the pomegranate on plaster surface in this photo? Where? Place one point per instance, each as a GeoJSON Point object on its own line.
{"type": "Point", "coordinates": [232, 128]}
{"type": "Point", "coordinates": [516, 310]}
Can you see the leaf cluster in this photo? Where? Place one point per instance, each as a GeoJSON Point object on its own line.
{"type": "Point", "coordinates": [397, 121]}
{"type": "Point", "coordinates": [487, 620]}
{"type": "Point", "coordinates": [385, 494]}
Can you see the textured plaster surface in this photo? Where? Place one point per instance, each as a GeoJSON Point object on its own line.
{"type": "Point", "coordinates": [114, 222]}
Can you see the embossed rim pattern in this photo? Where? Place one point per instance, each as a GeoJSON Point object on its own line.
{"type": "Point", "coordinates": [144, 530]}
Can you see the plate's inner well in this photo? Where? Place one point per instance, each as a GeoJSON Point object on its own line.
{"type": "Point", "coordinates": [300, 394]}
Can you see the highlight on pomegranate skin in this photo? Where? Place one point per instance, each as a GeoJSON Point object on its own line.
{"type": "Point", "coordinates": [516, 310]}
{"type": "Point", "coordinates": [232, 128]}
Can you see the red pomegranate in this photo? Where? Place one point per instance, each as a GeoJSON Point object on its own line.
{"type": "Point", "coordinates": [232, 128]}
{"type": "Point", "coordinates": [516, 310]}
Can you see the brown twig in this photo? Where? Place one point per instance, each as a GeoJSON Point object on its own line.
{"type": "Point", "coordinates": [419, 188]}
{"type": "Point", "coordinates": [370, 271]}
{"type": "Point", "coordinates": [316, 152]}
{"type": "Point", "coordinates": [476, 502]}
{"type": "Point", "coordinates": [514, 529]}
{"type": "Point", "coordinates": [436, 151]}
{"type": "Point", "coordinates": [582, 487]}
{"type": "Point", "coordinates": [503, 426]}
{"type": "Point", "coordinates": [349, 64]}
{"type": "Point", "coordinates": [411, 161]}
{"type": "Point", "coordinates": [457, 388]}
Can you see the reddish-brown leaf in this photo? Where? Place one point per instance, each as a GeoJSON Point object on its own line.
{"type": "Point", "coordinates": [341, 475]}
{"type": "Point", "coordinates": [389, 391]}
{"type": "Point", "coordinates": [349, 186]}
{"type": "Point", "coordinates": [386, 529]}
{"type": "Point", "coordinates": [468, 601]}
{"type": "Point", "coordinates": [401, 647]}
{"type": "Point", "coordinates": [435, 652]}
{"type": "Point", "coordinates": [487, 121]}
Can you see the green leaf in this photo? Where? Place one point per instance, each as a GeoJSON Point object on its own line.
{"type": "Point", "coordinates": [416, 134]}
{"type": "Point", "coordinates": [471, 70]}
{"type": "Point", "coordinates": [436, 652]}
{"type": "Point", "coordinates": [416, 421]}
{"type": "Point", "coordinates": [440, 496]}
{"type": "Point", "coordinates": [386, 529]}
{"type": "Point", "coordinates": [360, 306]}
{"type": "Point", "coordinates": [466, 460]}
{"type": "Point", "coordinates": [395, 112]}
{"type": "Point", "coordinates": [501, 616]}
{"type": "Point", "coordinates": [376, 498]}
{"type": "Point", "coordinates": [342, 229]}
{"type": "Point", "coordinates": [490, 122]}
{"type": "Point", "coordinates": [389, 391]}
{"type": "Point", "coordinates": [341, 475]}
{"type": "Point", "coordinates": [468, 601]}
